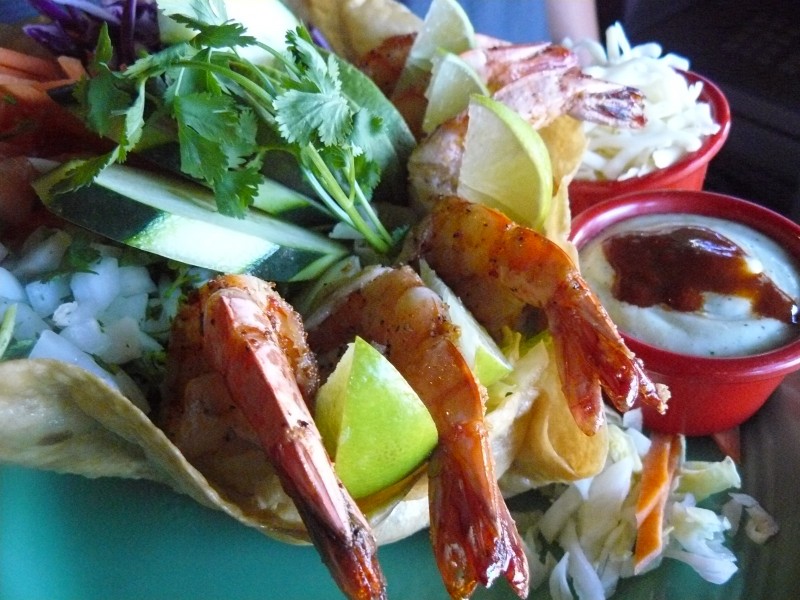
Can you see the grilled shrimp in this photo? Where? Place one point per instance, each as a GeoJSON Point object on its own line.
{"type": "Point", "coordinates": [473, 536]}
{"type": "Point", "coordinates": [240, 349]}
{"type": "Point", "coordinates": [384, 65]}
{"type": "Point", "coordinates": [487, 259]}
{"type": "Point", "coordinates": [540, 82]}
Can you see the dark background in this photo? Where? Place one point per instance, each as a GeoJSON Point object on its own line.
{"type": "Point", "coordinates": [751, 49]}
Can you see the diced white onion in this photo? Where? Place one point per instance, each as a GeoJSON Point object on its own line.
{"type": "Point", "coordinates": [71, 313]}
{"type": "Point", "coordinates": [27, 324]}
{"type": "Point", "coordinates": [87, 335]}
{"type": "Point", "coordinates": [45, 296]}
{"type": "Point", "coordinates": [134, 307]}
{"type": "Point", "coordinates": [10, 287]}
{"type": "Point", "coordinates": [42, 253]}
{"type": "Point", "coordinates": [77, 316]}
{"type": "Point", "coordinates": [100, 287]}
{"type": "Point", "coordinates": [51, 345]}
{"type": "Point", "coordinates": [124, 342]}
{"type": "Point", "coordinates": [135, 279]}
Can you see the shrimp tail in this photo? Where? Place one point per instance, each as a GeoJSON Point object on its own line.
{"type": "Point", "coordinates": [243, 344]}
{"type": "Point", "coordinates": [598, 101]}
{"type": "Point", "coordinates": [473, 535]}
{"type": "Point", "coordinates": [593, 357]}
{"type": "Point", "coordinates": [348, 549]}
{"type": "Point", "coordinates": [493, 549]}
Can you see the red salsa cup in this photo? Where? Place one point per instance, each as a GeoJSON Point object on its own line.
{"type": "Point", "coordinates": [709, 394]}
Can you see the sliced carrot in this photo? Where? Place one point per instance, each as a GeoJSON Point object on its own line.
{"type": "Point", "coordinates": [655, 475]}
{"type": "Point", "coordinates": [53, 83]}
{"type": "Point", "coordinates": [72, 67]}
{"type": "Point", "coordinates": [9, 71]}
{"type": "Point", "coordinates": [19, 68]}
{"type": "Point", "coordinates": [7, 78]}
{"type": "Point", "coordinates": [658, 472]}
{"type": "Point", "coordinates": [35, 67]}
{"type": "Point", "coordinates": [31, 122]}
{"type": "Point", "coordinates": [649, 541]}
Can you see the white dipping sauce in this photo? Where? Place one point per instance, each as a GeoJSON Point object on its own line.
{"type": "Point", "coordinates": [726, 325]}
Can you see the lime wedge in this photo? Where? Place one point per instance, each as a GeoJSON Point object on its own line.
{"type": "Point", "coordinates": [480, 351]}
{"type": "Point", "coordinates": [505, 164]}
{"type": "Point", "coordinates": [445, 26]}
{"type": "Point", "coordinates": [452, 82]}
{"type": "Point", "coordinates": [372, 422]}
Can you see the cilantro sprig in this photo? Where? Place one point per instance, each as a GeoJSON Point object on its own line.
{"type": "Point", "coordinates": [7, 328]}
{"type": "Point", "coordinates": [227, 113]}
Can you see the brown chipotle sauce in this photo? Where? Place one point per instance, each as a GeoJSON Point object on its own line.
{"type": "Point", "coordinates": [675, 266]}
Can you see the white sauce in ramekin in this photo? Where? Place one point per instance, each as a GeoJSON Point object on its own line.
{"type": "Point", "coordinates": [727, 325]}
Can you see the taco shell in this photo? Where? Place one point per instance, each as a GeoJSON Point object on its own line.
{"type": "Point", "coordinates": [58, 417]}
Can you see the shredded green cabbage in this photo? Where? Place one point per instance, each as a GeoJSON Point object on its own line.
{"type": "Point", "coordinates": [581, 555]}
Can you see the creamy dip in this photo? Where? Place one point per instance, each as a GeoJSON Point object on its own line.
{"type": "Point", "coordinates": [722, 324]}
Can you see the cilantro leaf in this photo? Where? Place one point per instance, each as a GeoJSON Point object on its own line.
{"type": "Point", "coordinates": [82, 172]}
{"type": "Point", "coordinates": [234, 190]}
{"type": "Point", "coordinates": [227, 35]}
{"type": "Point", "coordinates": [204, 120]}
{"type": "Point", "coordinates": [302, 116]}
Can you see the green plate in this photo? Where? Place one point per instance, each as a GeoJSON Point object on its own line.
{"type": "Point", "coordinates": [66, 537]}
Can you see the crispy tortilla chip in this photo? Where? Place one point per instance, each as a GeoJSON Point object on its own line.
{"type": "Point", "coordinates": [353, 27]}
{"type": "Point", "coordinates": [554, 449]}
{"type": "Point", "coordinates": [566, 144]}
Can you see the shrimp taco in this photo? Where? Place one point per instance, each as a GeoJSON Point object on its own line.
{"type": "Point", "coordinates": [234, 424]}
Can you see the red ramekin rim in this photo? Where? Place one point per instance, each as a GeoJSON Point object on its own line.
{"type": "Point", "coordinates": [589, 223]}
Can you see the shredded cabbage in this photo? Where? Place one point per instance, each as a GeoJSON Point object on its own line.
{"type": "Point", "coordinates": [582, 555]}
{"type": "Point", "coordinates": [677, 122]}
{"type": "Point", "coordinates": [702, 479]}
{"type": "Point", "coordinates": [760, 525]}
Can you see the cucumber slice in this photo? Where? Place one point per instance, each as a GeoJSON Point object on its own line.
{"type": "Point", "coordinates": [175, 218]}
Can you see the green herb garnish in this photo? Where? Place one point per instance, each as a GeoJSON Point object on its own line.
{"type": "Point", "coordinates": [7, 328]}
{"type": "Point", "coordinates": [228, 113]}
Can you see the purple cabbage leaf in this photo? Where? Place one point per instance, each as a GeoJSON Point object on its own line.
{"type": "Point", "coordinates": [72, 27]}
